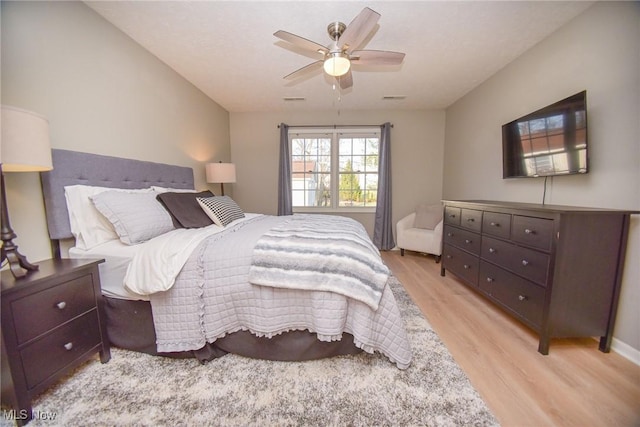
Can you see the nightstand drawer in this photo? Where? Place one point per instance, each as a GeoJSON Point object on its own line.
{"type": "Point", "coordinates": [39, 312]}
{"type": "Point", "coordinates": [46, 356]}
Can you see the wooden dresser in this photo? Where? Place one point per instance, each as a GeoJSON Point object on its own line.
{"type": "Point", "coordinates": [558, 269]}
{"type": "Point", "coordinates": [52, 321]}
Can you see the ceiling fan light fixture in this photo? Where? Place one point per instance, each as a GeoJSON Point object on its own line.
{"type": "Point", "coordinates": [337, 64]}
{"type": "Point", "coordinates": [338, 55]}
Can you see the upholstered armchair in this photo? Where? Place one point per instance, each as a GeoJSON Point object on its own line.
{"type": "Point", "coordinates": [421, 231]}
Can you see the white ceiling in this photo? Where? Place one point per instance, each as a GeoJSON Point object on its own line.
{"type": "Point", "coordinates": [227, 48]}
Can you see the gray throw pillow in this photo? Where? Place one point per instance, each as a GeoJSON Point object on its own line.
{"type": "Point", "coordinates": [136, 217]}
{"type": "Point", "coordinates": [185, 210]}
{"type": "Point", "coordinates": [427, 216]}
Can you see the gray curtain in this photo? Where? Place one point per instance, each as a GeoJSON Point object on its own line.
{"type": "Point", "coordinates": [383, 228]}
{"type": "Point", "coordinates": [284, 173]}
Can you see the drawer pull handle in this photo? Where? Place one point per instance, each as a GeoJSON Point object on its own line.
{"type": "Point", "coordinates": [467, 241]}
{"type": "Point", "coordinates": [529, 231]}
{"type": "Point", "coordinates": [522, 298]}
{"type": "Point", "coordinates": [492, 251]}
{"type": "Point", "coordinates": [466, 267]}
{"type": "Point", "coordinates": [452, 215]}
{"type": "Point", "coordinates": [495, 224]}
{"type": "Point", "coordinates": [525, 262]}
{"type": "Point", "coordinates": [61, 305]}
{"type": "Point", "coordinates": [68, 346]}
{"type": "Point", "coordinates": [489, 279]}
{"type": "Point", "coordinates": [450, 234]}
{"type": "Point", "coordinates": [470, 220]}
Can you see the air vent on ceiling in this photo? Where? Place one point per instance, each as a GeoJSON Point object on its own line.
{"type": "Point", "coordinates": [293, 98]}
{"type": "Point", "coordinates": [393, 98]}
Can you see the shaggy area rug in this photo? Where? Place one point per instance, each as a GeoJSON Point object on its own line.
{"type": "Point", "coordinates": [362, 390]}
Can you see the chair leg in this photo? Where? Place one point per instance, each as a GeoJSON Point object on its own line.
{"type": "Point", "coordinates": [401, 252]}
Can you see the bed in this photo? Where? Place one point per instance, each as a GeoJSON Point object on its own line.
{"type": "Point", "coordinates": [228, 293]}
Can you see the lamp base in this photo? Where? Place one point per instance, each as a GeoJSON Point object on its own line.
{"type": "Point", "coordinates": [17, 262]}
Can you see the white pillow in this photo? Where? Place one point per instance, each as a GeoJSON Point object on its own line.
{"type": "Point", "coordinates": [158, 189]}
{"type": "Point", "coordinates": [136, 217]}
{"type": "Point", "coordinates": [221, 209]}
{"type": "Point", "coordinates": [89, 227]}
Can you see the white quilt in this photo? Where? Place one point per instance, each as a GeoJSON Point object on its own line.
{"type": "Point", "coordinates": [211, 297]}
{"type": "Point", "coordinates": [158, 262]}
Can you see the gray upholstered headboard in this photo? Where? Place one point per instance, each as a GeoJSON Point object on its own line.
{"type": "Point", "coordinates": [71, 168]}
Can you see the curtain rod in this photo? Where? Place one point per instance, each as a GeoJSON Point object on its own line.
{"type": "Point", "coordinates": [332, 126]}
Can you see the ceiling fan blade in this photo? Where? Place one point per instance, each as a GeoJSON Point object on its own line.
{"type": "Point", "coordinates": [359, 29]}
{"type": "Point", "coordinates": [303, 70]}
{"type": "Point", "coordinates": [376, 57]}
{"type": "Point", "coordinates": [345, 81]}
{"type": "Point", "coordinates": [301, 41]}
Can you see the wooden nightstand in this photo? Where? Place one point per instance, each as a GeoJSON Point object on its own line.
{"type": "Point", "coordinates": [52, 321]}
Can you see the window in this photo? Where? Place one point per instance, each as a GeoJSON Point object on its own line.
{"type": "Point", "coordinates": [334, 169]}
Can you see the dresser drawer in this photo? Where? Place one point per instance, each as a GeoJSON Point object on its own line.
{"type": "Point", "coordinates": [452, 215]}
{"type": "Point", "coordinates": [497, 224]}
{"type": "Point", "coordinates": [463, 239]}
{"type": "Point", "coordinates": [54, 351]}
{"type": "Point", "coordinates": [471, 219]}
{"type": "Point", "coordinates": [461, 263]}
{"type": "Point", "coordinates": [519, 295]}
{"type": "Point", "coordinates": [39, 312]}
{"type": "Point", "coordinates": [528, 263]}
{"type": "Point", "coordinates": [534, 232]}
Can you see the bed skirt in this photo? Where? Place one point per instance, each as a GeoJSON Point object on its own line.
{"type": "Point", "coordinates": [130, 326]}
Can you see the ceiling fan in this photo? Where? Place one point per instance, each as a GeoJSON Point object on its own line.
{"type": "Point", "coordinates": [339, 55]}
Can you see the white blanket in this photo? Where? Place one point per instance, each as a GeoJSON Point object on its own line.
{"type": "Point", "coordinates": [320, 253]}
{"type": "Point", "coordinates": [212, 297]}
{"type": "Point", "coordinates": [158, 262]}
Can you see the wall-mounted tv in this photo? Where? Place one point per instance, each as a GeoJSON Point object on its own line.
{"type": "Point", "coordinates": [550, 141]}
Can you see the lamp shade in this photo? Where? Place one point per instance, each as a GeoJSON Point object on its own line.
{"type": "Point", "coordinates": [221, 172]}
{"type": "Point", "coordinates": [25, 145]}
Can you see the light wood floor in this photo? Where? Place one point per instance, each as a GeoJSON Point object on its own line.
{"type": "Point", "coordinates": [575, 385]}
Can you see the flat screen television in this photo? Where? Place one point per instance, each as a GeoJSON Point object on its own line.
{"type": "Point", "coordinates": [550, 141]}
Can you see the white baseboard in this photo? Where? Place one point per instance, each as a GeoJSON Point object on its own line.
{"type": "Point", "coordinates": [626, 351]}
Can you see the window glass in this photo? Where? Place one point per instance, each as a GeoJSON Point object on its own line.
{"type": "Point", "coordinates": [334, 170]}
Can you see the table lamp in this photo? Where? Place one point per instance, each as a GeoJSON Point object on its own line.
{"type": "Point", "coordinates": [24, 147]}
{"type": "Point", "coordinates": [221, 173]}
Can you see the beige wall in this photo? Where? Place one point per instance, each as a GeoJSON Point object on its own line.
{"type": "Point", "coordinates": [417, 140]}
{"type": "Point", "coordinates": [598, 51]}
{"type": "Point", "coordinates": [102, 93]}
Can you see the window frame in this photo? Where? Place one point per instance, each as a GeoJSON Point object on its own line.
{"type": "Point", "coordinates": [333, 133]}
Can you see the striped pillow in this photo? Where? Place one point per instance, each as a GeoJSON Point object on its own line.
{"type": "Point", "coordinates": [221, 209]}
